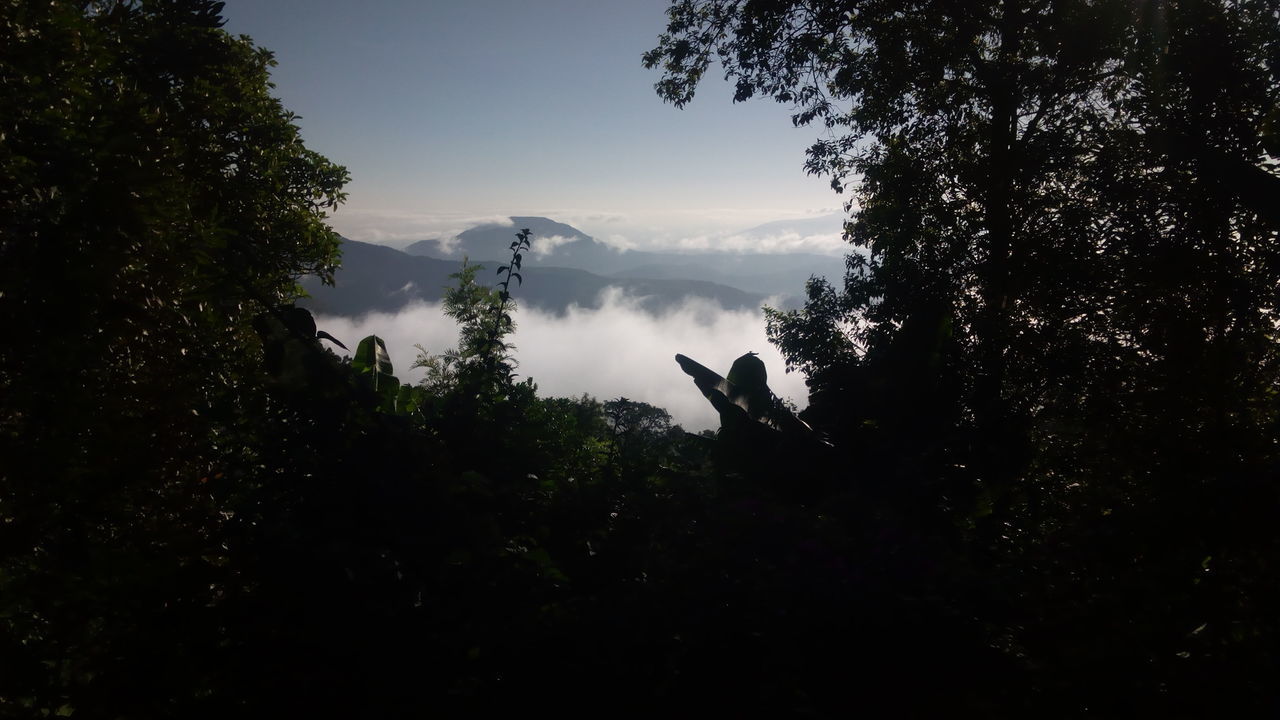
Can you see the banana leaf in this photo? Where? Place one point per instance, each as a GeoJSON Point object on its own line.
{"type": "Point", "coordinates": [744, 395]}
{"type": "Point", "coordinates": [372, 361]}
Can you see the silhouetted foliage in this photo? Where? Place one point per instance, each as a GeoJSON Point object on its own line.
{"type": "Point", "coordinates": [154, 200]}
{"type": "Point", "coordinates": [1062, 336]}
{"type": "Point", "coordinates": [641, 436]}
{"type": "Point", "coordinates": [1037, 474]}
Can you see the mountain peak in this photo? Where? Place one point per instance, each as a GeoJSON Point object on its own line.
{"type": "Point", "coordinates": [538, 226]}
{"type": "Point", "coordinates": [554, 242]}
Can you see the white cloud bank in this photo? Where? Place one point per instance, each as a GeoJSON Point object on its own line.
{"type": "Point", "coordinates": [719, 230]}
{"type": "Point", "coordinates": [398, 228]}
{"type": "Point", "coordinates": [615, 350]}
{"type": "Point", "coordinates": [776, 243]}
{"type": "Point", "coordinates": [544, 245]}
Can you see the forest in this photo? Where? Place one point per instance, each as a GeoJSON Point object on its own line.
{"type": "Point", "coordinates": [1037, 473]}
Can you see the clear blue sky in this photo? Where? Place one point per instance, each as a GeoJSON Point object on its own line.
{"type": "Point", "coordinates": [448, 111]}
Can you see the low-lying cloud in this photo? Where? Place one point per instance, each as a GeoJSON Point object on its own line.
{"type": "Point", "coordinates": [398, 228]}
{"type": "Point", "coordinates": [616, 350]}
{"type": "Point", "coordinates": [709, 230]}
{"type": "Point", "coordinates": [543, 245]}
{"type": "Point", "coordinates": [618, 242]}
{"type": "Point", "coordinates": [831, 243]}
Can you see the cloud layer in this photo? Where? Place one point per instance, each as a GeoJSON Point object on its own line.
{"type": "Point", "coordinates": [710, 230]}
{"type": "Point", "coordinates": [544, 245]}
{"type": "Point", "coordinates": [831, 243]}
{"type": "Point", "coordinates": [398, 228]}
{"type": "Point", "coordinates": [615, 350]}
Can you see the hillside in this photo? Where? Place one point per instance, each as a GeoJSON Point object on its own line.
{"type": "Point", "coordinates": [375, 278]}
{"type": "Point", "coordinates": [560, 245]}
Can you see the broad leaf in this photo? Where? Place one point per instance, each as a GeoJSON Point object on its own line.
{"type": "Point", "coordinates": [372, 359]}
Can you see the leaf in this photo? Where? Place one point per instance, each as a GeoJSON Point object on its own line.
{"type": "Point", "coordinates": [705, 378]}
{"type": "Point", "coordinates": [372, 359]}
{"type": "Point", "coordinates": [299, 321]}
{"type": "Point", "coordinates": [406, 400]}
{"type": "Point", "coordinates": [753, 400]}
{"type": "Point", "coordinates": [748, 386]}
{"type": "Point", "coordinates": [519, 280]}
{"type": "Point", "coordinates": [322, 335]}
{"type": "Point", "coordinates": [389, 394]}
{"type": "Point", "coordinates": [748, 373]}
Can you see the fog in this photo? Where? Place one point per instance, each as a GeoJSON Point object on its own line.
{"type": "Point", "coordinates": [709, 229]}
{"type": "Point", "coordinates": [615, 350]}
{"type": "Point", "coordinates": [398, 228]}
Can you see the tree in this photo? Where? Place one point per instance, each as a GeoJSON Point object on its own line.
{"type": "Point", "coordinates": [1068, 303]}
{"type": "Point", "coordinates": [483, 360]}
{"type": "Point", "coordinates": [998, 148]}
{"type": "Point", "coordinates": [154, 199]}
{"type": "Point", "coordinates": [642, 436]}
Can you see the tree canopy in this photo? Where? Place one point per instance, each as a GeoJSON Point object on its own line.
{"type": "Point", "coordinates": [1037, 475]}
{"type": "Point", "coordinates": [152, 188]}
{"type": "Point", "coordinates": [1068, 304]}
{"type": "Point", "coordinates": [155, 199]}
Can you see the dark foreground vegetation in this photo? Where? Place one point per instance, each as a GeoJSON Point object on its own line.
{"type": "Point", "coordinates": [1038, 476]}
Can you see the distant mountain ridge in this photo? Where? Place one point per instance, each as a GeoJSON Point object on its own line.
{"type": "Point", "coordinates": [561, 245]}
{"type": "Point", "coordinates": [812, 225]}
{"type": "Point", "coordinates": [376, 278]}
{"type": "Point", "coordinates": [488, 241]}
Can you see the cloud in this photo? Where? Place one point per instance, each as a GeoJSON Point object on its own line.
{"type": "Point", "coordinates": [618, 242]}
{"type": "Point", "coordinates": [615, 350]}
{"type": "Point", "coordinates": [585, 217]}
{"type": "Point", "coordinates": [398, 228]}
{"type": "Point", "coordinates": [774, 243]}
{"type": "Point", "coordinates": [544, 245]}
{"type": "Point", "coordinates": [446, 245]}
{"type": "Point", "coordinates": [813, 230]}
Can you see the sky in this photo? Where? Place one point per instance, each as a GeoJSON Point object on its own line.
{"type": "Point", "coordinates": [452, 113]}
{"type": "Point", "coordinates": [449, 112]}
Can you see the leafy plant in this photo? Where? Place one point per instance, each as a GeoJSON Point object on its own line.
{"type": "Point", "coordinates": [482, 360]}
{"type": "Point", "coordinates": [744, 395]}
{"type": "Point", "coordinates": [502, 323]}
{"type": "Point", "coordinates": [155, 199]}
{"type": "Point", "coordinates": [373, 363]}
{"type": "Point", "coordinates": [1059, 330]}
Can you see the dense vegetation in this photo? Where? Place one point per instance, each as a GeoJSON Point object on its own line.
{"type": "Point", "coordinates": [1037, 475]}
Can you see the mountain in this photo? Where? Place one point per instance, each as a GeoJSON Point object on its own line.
{"type": "Point", "coordinates": [781, 274]}
{"type": "Point", "coordinates": [830, 224]}
{"type": "Point", "coordinates": [561, 245]}
{"type": "Point", "coordinates": [564, 244]}
{"type": "Point", "coordinates": [375, 278]}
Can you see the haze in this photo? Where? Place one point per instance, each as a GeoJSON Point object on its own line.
{"type": "Point", "coordinates": [616, 350]}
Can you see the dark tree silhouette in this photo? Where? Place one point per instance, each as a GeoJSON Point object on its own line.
{"type": "Point", "coordinates": [1063, 332]}
{"type": "Point", "coordinates": [1037, 475]}
{"type": "Point", "coordinates": [154, 199]}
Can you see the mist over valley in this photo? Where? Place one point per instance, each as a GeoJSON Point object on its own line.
{"type": "Point", "coordinates": [591, 318]}
{"type": "Point", "coordinates": [617, 348]}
